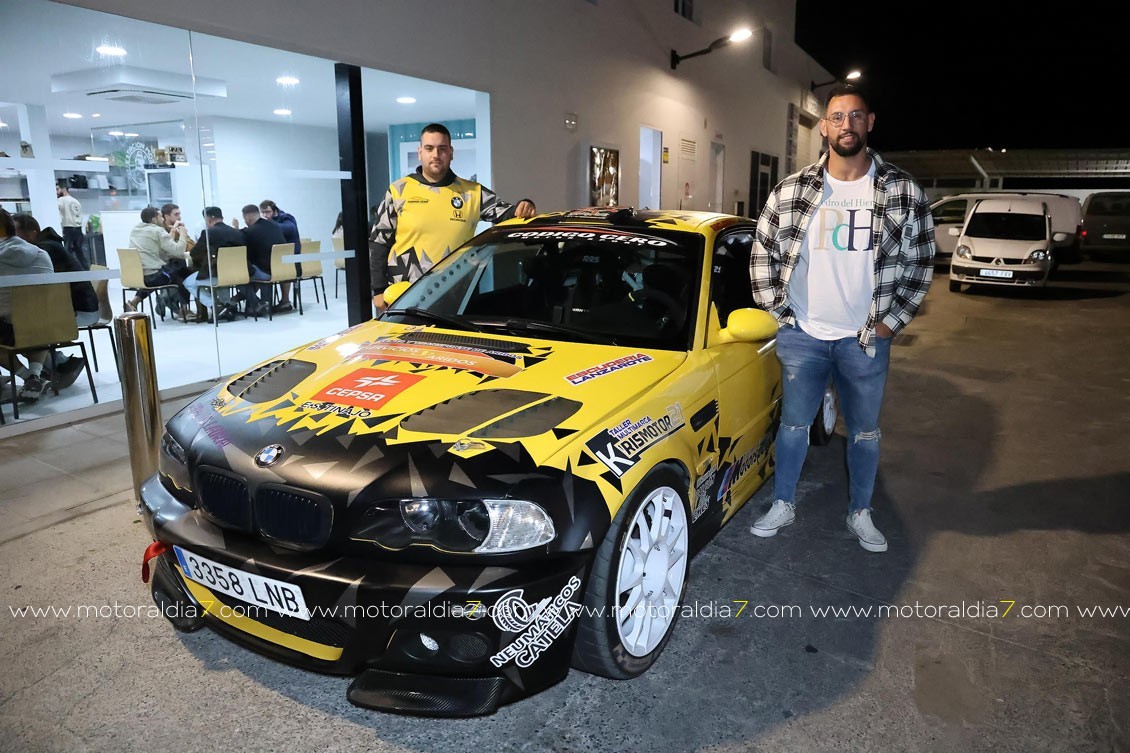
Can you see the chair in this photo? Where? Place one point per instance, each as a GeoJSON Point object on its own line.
{"type": "Point", "coordinates": [281, 271]}
{"type": "Point", "coordinates": [339, 264]}
{"type": "Point", "coordinates": [133, 277]}
{"type": "Point", "coordinates": [105, 316]}
{"type": "Point", "coordinates": [43, 318]}
{"type": "Point", "coordinates": [231, 270]}
{"type": "Point", "coordinates": [312, 269]}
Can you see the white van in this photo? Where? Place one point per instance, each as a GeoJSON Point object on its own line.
{"type": "Point", "coordinates": [952, 211]}
{"type": "Point", "coordinates": [1004, 242]}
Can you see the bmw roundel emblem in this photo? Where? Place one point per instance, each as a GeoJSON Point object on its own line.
{"type": "Point", "coordinates": [457, 202]}
{"type": "Point", "coordinates": [269, 455]}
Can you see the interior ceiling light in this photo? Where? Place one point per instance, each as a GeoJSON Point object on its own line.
{"type": "Point", "coordinates": [131, 135]}
{"type": "Point", "coordinates": [72, 115]}
{"type": "Point", "coordinates": [115, 133]}
{"type": "Point", "coordinates": [282, 111]}
{"type": "Point", "coordinates": [95, 114]}
{"type": "Point", "coordinates": [3, 124]}
{"type": "Point", "coordinates": [406, 100]}
{"type": "Point", "coordinates": [110, 50]}
{"type": "Point", "coordinates": [286, 81]}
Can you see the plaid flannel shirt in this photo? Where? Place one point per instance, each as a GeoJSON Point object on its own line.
{"type": "Point", "coordinates": [903, 232]}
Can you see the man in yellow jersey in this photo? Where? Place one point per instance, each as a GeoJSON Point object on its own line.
{"type": "Point", "coordinates": [430, 213]}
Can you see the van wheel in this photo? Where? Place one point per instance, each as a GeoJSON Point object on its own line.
{"type": "Point", "coordinates": [825, 424]}
{"type": "Point", "coordinates": [638, 579]}
{"type": "Point", "coordinates": [955, 286]}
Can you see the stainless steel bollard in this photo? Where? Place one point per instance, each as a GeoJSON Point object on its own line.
{"type": "Point", "coordinates": [138, 369]}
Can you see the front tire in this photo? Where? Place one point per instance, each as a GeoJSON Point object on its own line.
{"type": "Point", "coordinates": [638, 579]}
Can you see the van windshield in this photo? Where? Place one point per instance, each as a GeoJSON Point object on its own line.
{"type": "Point", "coordinates": [1008, 226]}
{"type": "Point", "coordinates": [1109, 206]}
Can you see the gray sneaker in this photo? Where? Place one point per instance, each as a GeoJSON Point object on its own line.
{"type": "Point", "coordinates": [33, 388]}
{"type": "Point", "coordinates": [859, 523]}
{"type": "Point", "coordinates": [781, 514]}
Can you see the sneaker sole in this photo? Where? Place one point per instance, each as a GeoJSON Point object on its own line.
{"type": "Point", "coordinates": [768, 532]}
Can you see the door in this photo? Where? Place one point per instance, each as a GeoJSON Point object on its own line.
{"type": "Point", "coordinates": [651, 167]}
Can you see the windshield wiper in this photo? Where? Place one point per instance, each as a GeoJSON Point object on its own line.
{"type": "Point", "coordinates": [455, 322]}
{"type": "Point", "coordinates": [524, 326]}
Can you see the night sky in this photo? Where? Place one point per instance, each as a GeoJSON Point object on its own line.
{"type": "Point", "coordinates": [948, 75]}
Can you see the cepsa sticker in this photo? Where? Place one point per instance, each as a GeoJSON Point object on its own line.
{"type": "Point", "coordinates": [367, 388]}
{"type": "Point", "coordinates": [607, 368]}
{"type": "Point", "coordinates": [450, 357]}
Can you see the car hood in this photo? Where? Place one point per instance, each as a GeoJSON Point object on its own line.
{"type": "Point", "coordinates": [352, 408]}
{"type": "Point", "coordinates": [1003, 248]}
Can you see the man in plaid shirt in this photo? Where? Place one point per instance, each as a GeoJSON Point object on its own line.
{"type": "Point", "coordinates": [843, 257]}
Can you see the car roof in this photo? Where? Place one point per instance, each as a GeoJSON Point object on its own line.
{"type": "Point", "coordinates": [1002, 195]}
{"type": "Point", "coordinates": [629, 218]}
{"type": "Point", "coordinates": [1013, 206]}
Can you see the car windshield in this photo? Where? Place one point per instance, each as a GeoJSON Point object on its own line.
{"type": "Point", "coordinates": [597, 285]}
{"type": "Point", "coordinates": [1007, 226]}
{"type": "Point", "coordinates": [1114, 205]}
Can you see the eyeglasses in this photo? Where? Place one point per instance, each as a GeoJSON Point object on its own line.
{"type": "Point", "coordinates": [837, 118]}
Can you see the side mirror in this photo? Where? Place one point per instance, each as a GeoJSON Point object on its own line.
{"type": "Point", "coordinates": [394, 291]}
{"type": "Point", "coordinates": [955, 232]}
{"type": "Point", "coordinates": [749, 325]}
{"type": "Point", "coordinates": [1059, 237]}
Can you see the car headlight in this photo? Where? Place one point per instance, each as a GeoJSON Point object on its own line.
{"type": "Point", "coordinates": [481, 526]}
{"type": "Point", "coordinates": [965, 252]}
{"type": "Point", "coordinates": [172, 462]}
{"type": "Point", "coordinates": [1040, 254]}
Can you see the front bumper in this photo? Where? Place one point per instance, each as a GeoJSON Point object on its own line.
{"type": "Point", "coordinates": [423, 638]}
{"type": "Point", "coordinates": [964, 270]}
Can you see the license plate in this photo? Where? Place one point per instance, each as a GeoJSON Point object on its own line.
{"type": "Point", "coordinates": [996, 273]}
{"type": "Point", "coordinates": [1114, 236]}
{"type": "Point", "coordinates": [268, 593]}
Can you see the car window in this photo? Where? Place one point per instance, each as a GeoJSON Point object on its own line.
{"type": "Point", "coordinates": [631, 288]}
{"type": "Point", "coordinates": [1007, 226]}
{"type": "Point", "coordinates": [729, 279]}
{"type": "Point", "coordinates": [950, 212]}
{"type": "Point", "coordinates": [1109, 206]}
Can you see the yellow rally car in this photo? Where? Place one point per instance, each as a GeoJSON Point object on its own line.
{"type": "Point", "coordinates": [502, 477]}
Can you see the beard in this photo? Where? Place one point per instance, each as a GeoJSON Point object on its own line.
{"type": "Point", "coordinates": [848, 151]}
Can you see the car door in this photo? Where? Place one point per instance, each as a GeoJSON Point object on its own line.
{"type": "Point", "coordinates": [948, 213]}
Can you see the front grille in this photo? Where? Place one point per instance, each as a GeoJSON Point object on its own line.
{"type": "Point", "coordinates": [223, 496]}
{"type": "Point", "coordinates": [286, 515]}
{"type": "Point", "coordinates": [290, 516]}
{"type": "Point", "coordinates": [1006, 262]}
{"type": "Point", "coordinates": [323, 630]}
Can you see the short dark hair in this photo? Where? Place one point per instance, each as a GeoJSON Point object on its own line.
{"type": "Point", "coordinates": [26, 222]}
{"type": "Point", "coordinates": [251, 209]}
{"type": "Point", "coordinates": [167, 209]}
{"type": "Point", "coordinates": [268, 204]}
{"type": "Point", "coordinates": [149, 213]}
{"type": "Point", "coordinates": [844, 89]}
{"type": "Point", "coordinates": [214, 213]}
{"type": "Point", "coordinates": [436, 128]}
{"type": "Point", "coordinates": [6, 223]}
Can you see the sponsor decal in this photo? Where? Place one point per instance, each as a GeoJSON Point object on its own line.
{"type": "Point", "coordinates": [607, 367]}
{"type": "Point", "coordinates": [367, 388]}
{"type": "Point", "coordinates": [542, 623]}
{"type": "Point", "coordinates": [740, 467]}
{"type": "Point", "coordinates": [212, 429]}
{"type": "Point", "coordinates": [269, 455]}
{"type": "Point", "coordinates": [348, 411]}
{"type": "Point", "coordinates": [605, 236]}
{"type": "Point", "coordinates": [469, 360]}
{"type": "Point", "coordinates": [620, 454]}
{"type": "Point", "coordinates": [457, 202]}
{"type": "Point", "coordinates": [719, 224]}
{"type": "Point", "coordinates": [702, 487]}
{"type": "Point", "coordinates": [218, 402]}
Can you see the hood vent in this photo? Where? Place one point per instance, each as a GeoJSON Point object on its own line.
{"type": "Point", "coordinates": [461, 414]}
{"type": "Point", "coordinates": [272, 380]}
{"type": "Point", "coordinates": [461, 341]}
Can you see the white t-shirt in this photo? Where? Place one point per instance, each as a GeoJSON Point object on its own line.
{"type": "Point", "coordinates": [830, 289]}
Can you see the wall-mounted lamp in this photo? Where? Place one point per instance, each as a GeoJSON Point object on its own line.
{"type": "Point", "coordinates": [852, 76]}
{"type": "Point", "coordinates": [738, 36]}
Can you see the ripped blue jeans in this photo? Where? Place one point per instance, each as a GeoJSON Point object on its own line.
{"type": "Point", "coordinates": [807, 364]}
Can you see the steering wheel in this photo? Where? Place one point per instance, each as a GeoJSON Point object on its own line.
{"type": "Point", "coordinates": [673, 311]}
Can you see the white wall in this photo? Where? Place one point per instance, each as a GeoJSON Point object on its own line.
{"type": "Point", "coordinates": [608, 62]}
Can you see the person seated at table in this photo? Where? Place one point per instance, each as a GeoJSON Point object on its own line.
{"type": "Point", "coordinates": [217, 234]}
{"type": "Point", "coordinates": [159, 256]}
{"type": "Point", "coordinates": [18, 257]}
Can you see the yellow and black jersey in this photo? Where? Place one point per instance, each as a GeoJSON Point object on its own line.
{"type": "Point", "coordinates": [419, 223]}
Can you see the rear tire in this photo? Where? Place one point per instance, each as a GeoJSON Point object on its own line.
{"type": "Point", "coordinates": [955, 286]}
{"type": "Point", "coordinates": [638, 580]}
{"type": "Point", "coordinates": [824, 426]}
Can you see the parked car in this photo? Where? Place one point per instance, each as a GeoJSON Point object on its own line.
{"type": "Point", "coordinates": [1106, 224]}
{"type": "Point", "coordinates": [952, 211]}
{"type": "Point", "coordinates": [1004, 242]}
{"type": "Point", "coordinates": [502, 477]}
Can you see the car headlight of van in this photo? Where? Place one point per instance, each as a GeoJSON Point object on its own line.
{"type": "Point", "coordinates": [1040, 254]}
{"type": "Point", "coordinates": [964, 251]}
{"type": "Point", "coordinates": [480, 526]}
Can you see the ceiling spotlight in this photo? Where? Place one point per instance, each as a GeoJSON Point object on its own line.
{"type": "Point", "coordinates": [115, 133]}
{"type": "Point", "coordinates": [110, 51]}
{"type": "Point", "coordinates": [406, 100]}
{"type": "Point", "coordinates": [282, 111]}
{"type": "Point", "coordinates": [95, 114]}
{"type": "Point", "coordinates": [131, 135]}
{"type": "Point", "coordinates": [72, 115]}
{"type": "Point", "coordinates": [286, 81]}
{"type": "Point", "coordinates": [3, 124]}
